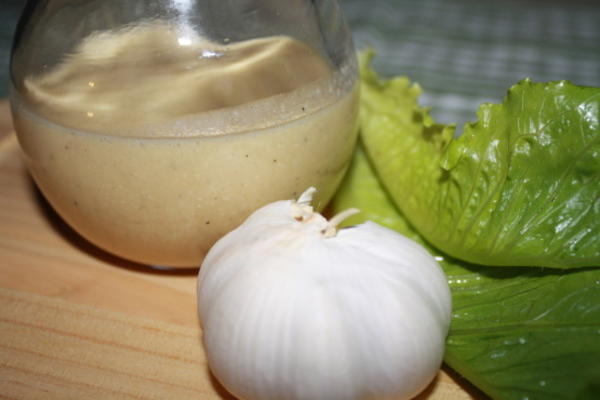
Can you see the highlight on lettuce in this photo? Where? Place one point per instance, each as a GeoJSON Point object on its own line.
{"type": "Point", "coordinates": [519, 187]}
{"type": "Point", "coordinates": [520, 331]}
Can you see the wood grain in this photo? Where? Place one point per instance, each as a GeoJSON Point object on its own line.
{"type": "Point", "coordinates": [58, 348]}
{"type": "Point", "coordinates": [77, 323]}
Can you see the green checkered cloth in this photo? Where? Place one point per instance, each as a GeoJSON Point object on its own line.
{"type": "Point", "coordinates": [466, 52]}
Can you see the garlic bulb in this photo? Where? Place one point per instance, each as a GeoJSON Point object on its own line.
{"type": "Point", "coordinates": [293, 309]}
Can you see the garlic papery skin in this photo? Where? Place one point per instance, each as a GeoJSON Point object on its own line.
{"type": "Point", "coordinates": [291, 311]}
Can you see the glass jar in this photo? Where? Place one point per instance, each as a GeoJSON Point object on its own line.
{"type": "Point", "coordinates": [154, 127]}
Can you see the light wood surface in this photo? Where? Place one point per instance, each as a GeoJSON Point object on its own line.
{"type": "Point", "coordinates": [77, 323]}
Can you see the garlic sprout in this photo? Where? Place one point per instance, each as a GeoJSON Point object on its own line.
{"type": "Point", "coordinates": [293, 308]}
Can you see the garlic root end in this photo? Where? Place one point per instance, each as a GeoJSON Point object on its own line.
{"type": "Point", "coordinates": [337, 219]}
{"type": "Point", "coordinates": [303, 211]}
{"type": "Point", "coordinates": [306, 197]}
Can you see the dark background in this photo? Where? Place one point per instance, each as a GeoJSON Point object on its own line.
{"type": "Point", "coordinates": [9, 14]}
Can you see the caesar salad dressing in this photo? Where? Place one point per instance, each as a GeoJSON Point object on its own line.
{"type": "Point", "coordinates": [154, 151]}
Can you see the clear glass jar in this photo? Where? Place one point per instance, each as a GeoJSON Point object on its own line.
{"type": "Point", "coordinates": [154, 127]}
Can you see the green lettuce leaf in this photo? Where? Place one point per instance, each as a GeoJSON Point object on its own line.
{"type": "Point", "coordinates": [519, 187]}
{"type": "Point", "coordinates": [516, 333]}
{"type": "Point", "coordinates": [361, 187]}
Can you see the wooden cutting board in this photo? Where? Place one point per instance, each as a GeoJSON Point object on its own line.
{"type": "Point", "coordinates": [77, 323]}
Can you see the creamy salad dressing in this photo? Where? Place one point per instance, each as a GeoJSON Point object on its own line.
{"type": "Point", "coordinates": [154, 151]}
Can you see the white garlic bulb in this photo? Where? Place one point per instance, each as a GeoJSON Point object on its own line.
{"type": "Point", "coordinates": [292, 309]}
